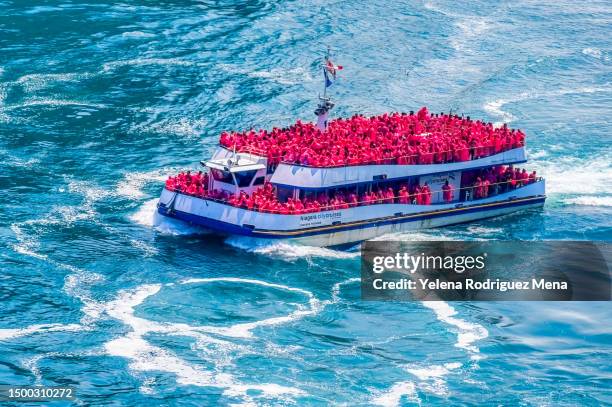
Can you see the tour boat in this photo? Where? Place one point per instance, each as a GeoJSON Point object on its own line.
{"type": "Point", "coordinates": [339, 182]}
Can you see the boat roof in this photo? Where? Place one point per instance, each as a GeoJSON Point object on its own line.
{"type": "Point", "coordinates": [234, 163]}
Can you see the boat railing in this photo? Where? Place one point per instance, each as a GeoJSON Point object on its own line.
{"type": "Point", "coordinates": [475, 152]}
{"type": "Point", "coordinates": [470, 195]}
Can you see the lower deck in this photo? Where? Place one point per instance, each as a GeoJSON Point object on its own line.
{"type": "Point", "coordinates": [343, 226]}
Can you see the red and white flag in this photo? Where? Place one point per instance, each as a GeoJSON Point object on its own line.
{"type": "Point", "coordinates": [331, 68]}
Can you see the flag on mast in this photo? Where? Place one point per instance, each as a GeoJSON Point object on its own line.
{"type": "Point", "coordinates": [329, 71]}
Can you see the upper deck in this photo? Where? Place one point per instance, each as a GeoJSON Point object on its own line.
{"type": "Point", "coordinates": [313, 178]}
{"type": "Point", "coordinates": [388, 139]}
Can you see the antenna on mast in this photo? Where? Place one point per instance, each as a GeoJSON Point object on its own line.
{"type": "Point", "coordinates": [233, 160]}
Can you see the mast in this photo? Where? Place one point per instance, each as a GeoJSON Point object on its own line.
{"type": "Point", "coordinates": [325, 103]}
{"type": "Point", "coordinates": [326, 60]}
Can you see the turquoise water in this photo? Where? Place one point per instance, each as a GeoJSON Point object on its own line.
{"type": "Point", "coordinates": [99, 102]}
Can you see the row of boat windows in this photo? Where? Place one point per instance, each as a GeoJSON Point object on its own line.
{"type": "Point", "coordinates": [473, 184]}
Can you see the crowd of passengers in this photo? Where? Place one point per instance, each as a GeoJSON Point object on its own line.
{"type": "Point", "coordinates": [397, 138]}
{"type": "Point", "coordinates": [481, 184]}
{"type": "Point", "coordinates": [497, 180]}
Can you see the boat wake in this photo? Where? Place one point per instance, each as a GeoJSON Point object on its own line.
{"type": "Point", "coordinates": [495, 107]}
{"type": "Point", "coordinates": [285, 250]}
{"type": "Point", "coordinates": [467, 332]}
{"type": "Point", "coordinates": [586, 200]}
{"type": "Point", "coordinates": [431, 378]}
{"type": "Point", "coordinates": [147, 215]}
{"type": "Point", "coordinates": [131, 186]}
{"type": "Point", "coordinates": [577, 181]}
{"type": "Point", "coordinates": [12, 333]}
{"type": "Point", "coordinates": [221, 345]}
{"type": "Point", "coordinates": [210, 340]}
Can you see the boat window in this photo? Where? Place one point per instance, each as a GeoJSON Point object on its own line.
{"type": "Point", "coordinates": [259, 181]}
{"type": "Point", "coordinates": [284, 193]}
{"type": "Point", "coordinates": [222, 176]}
{"type": "Point", "coordinates": [244, 178]}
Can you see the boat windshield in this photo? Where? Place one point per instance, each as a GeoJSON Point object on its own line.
{"type": "Point", "coordinates": [244, 178]}
{"type": "Point", "coordinates": [222, 176]}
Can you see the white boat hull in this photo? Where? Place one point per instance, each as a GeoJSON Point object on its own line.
{"type": "Point", "coordinates": [345, 226]}
{"type": "Point", "coordinates": [360, 235]}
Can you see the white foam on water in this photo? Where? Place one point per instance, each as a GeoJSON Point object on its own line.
{"type": "Point", "coordinates": [283, 76]}
{"type": "Point", "coordinates": [577, 176]}
{"type": "Point", "coordinates": [469, 29]}
{"type": "Point", "coordinates": [137, 35]}
{"type": "Point", "coordinates": [11, 333]}
{"type": "Point", "coordinates": [592, 52]}
{"type": "Point", "coordinates": [147, 249]}
{"type": "Point", "coordinates": [146, 357]}
{"type": "Point", "coordinates": [183, 127]}
{"type": "Point", "coordinates": [432, 377]}
{"type": "Point", "coordinates": [147, 215]}
{"type": "Point", "coordinates": [415, 236]}
{"type": "Point", "coordinates": [586, 200]}
{"type": "Point", "coordinates": [28, 243]}
{"type": "Point", "coordinates": [481, 231]}
{"type": "Point", "coordinates": [20, 162]}
{"type": "Point", "coordinates": [244, 330]}
{"type": "Point", "coordinates": [338, 286]}
{"type": "Point", "coordinates": [393, 396]}
{"type": "Point", "coordinates": [38, 81]}
{"type": "Point", "coordinates": [42, 9]}
{"type": "Point", "coordinates": [53, 103]}
{"type": "Point", "coordinates": [270, 389]}
{"type": "Point", "coordinates": [32, 363]}
{"type": "Point", "coordinates": [433, 371]}
{"type": "Point", "coordinates": [77, 281]}
{"type": "Point", "coordinates": [495, 107]}
{"type": "Point", "coordinates": [91, 195]}
{"type": "Point", "coordinates": [110, 66]}
{"type": "Point", "coordinates": [467, 332]}
{"type": "Point", "coordinates": [146, 386]}
{"type": "Point", "coordinates": [537, 154]}
{"type": "Point", "coordinates": [286, 250]}
{"type": "Point", "coordinates": [4, 118]}
{"type": "Point", "coordinates": [132, 183]}
{"type": "Point", "coordinates": [76, 285]}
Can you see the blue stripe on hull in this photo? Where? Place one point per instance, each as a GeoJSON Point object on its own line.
{"type": "Point", "coordinates": [231, 229]}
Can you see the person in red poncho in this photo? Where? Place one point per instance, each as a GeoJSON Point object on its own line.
{"type": "Point", "coordinates": [447, 192]}
{"type": "Point", "coordinates": [427, 194]}
{"type": "Point", "coordinates": [404, 196]}
{"type": "Point", "coordinates": [532, 177]}
{"type": "Point", "coordinates": [477, 188]}
{"type": "Point", "coordinates": [389, 195]}
{"type": "Point", "coordinates": [419, 195]}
